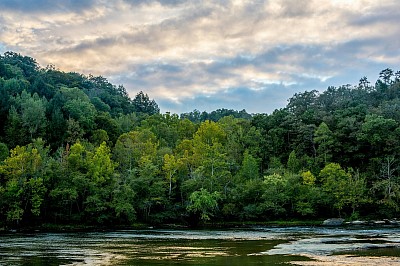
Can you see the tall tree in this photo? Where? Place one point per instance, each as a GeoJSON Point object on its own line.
{"type": "Point", "coordinates": [142, 104]}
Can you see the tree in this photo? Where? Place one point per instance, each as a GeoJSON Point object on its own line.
{"type": "Point", "coordinates": [3, 152]}
{"type": "Point", "coordinates": [81, 111]}
{"type": "Point", "coordinates": [364, 84]}
{"type": "Point", "coordinates": [74, 131]}
{"type": "Point", "coordinates": [275, 196]}
{"type": "Point", "coordinates": [132, 146]}
{"type": "Point", "coordinates": [335, 183]}
{"type": "Point", "coordinates": [24, 181]}
{"type": "Point", "coordinates": [386, 75]}
{"type": "Point", "coordinates": [380, 133]}
{"type": "Point", "coordinates": [203, 204]}
{"type": "Point", "coordinates": [33, 113]}
{"type": "Point", "coordinates": [249, 169]}
{"type": "Point", "coordinates": [357, 192]}
{"type": "Point", "coordinates": [100, 172]}
{"type": "Point", "coordinates": [293, 164]}
{"type": "Point", "coordinates": [149, 187]}
{"type": "Point", "coordinates": [388, 184]}
{"type": "Point", "coordinates": [100, 166]}
{"type": "Point", "coordinates": [142, 104]}
{"type": "Point", "coordinates": [325, 141]}
{"type": "Point", "coordinates": [210, 157]}
{"type": "Point", "coordinates": [15, 132]}
{"type": "Point", "coordinates": [170, 167]}
{"type": "Point", "coordinates": [308, 178]}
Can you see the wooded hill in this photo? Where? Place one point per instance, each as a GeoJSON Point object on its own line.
{"type": "Point", "coordinates": [76, 149]}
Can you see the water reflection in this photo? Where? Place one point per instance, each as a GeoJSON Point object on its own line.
{"type": "Point", "coordinates": [255, 246]}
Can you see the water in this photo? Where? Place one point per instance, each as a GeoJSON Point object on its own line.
{"type": "Point", "coordinates": [255, 246]}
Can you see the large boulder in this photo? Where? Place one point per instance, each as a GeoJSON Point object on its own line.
{"type": "Point", "coordinates": [333, 222]}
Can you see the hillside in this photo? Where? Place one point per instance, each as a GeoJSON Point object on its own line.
{"type": "Point", "coordinates": [76, 149]}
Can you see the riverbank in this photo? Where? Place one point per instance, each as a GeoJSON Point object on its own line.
{"type": "Point", "coordinates": [48, 227]}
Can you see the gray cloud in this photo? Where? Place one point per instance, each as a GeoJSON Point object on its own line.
{"type": "Point", "coordinates": [385, 14]}
{"type": "Point", "coordinates": [162, 2]}
{"type": "Point", "coordinates": [209, 54]}
{"type": "Point", "coordinates": [296, 8]}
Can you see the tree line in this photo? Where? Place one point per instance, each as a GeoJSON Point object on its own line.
{"type": "Point", "coordinates": [75, 149]}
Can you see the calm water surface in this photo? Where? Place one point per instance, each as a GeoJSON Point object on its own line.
{"type": "Point", "coordinates": [255, 246]}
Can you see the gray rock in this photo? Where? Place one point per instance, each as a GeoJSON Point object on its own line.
{"type": "Point", "coordinates": [359, 222]}
{"type": "Point", "coordinates": [333, 222]}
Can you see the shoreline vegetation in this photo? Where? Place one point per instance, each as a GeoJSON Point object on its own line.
{"type": "Point", "coordinates": [77, 152]}
{"type": "Point", "coordinates": [393, 223]}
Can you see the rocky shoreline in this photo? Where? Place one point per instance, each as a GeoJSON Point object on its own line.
{"type": "Point", "coordinates": [341, 222]}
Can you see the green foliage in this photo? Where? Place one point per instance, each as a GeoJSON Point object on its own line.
{"type": "Point", "coordinates": [387, 186]}
{"type": "Point", "coordinates": [203, 203]}
{"type": "Point", "coordinates": [325, 140]}
{"type": "Point", "coordinates": [345, 189]}
{"type": "Point", "coordinates": [100, 166]}
{"type": "Point", "coordinates": [3, 152]}
{"type": "Point", "coordinates": [250, 168]}
{"type": "Point", "coordinates": [143, 104]}
{"type": "Point", "coordinates": [308, 178]}
{"type": "Point", "coordinates": [293, 164]}
{"type": "Point", "coordinates": [33, 113]}
{"type": "Point", "coordinates": [76, 149]}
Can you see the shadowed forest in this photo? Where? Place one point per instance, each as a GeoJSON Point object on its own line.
{"type": "Point", "coordinates": [76, 149]}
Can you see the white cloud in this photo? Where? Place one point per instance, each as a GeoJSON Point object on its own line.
{"type": "Point", "coordinates": [179, 50]}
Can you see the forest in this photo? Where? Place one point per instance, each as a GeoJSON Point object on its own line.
{"type": "Point", "coordinates": [76, 149]}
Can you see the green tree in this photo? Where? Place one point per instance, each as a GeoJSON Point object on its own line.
{"type": "Point", "coordinates": [380, 133]}
{"type": "Point", "coordinates": [388, 184]}
{"type": "Point", "coordinates": [14, 131]}
{"type": "Point", "coordinates": [208, 153]}
{"type": "Point", "coordinates": [142, 104]}
{"type": "Point", "coordinates": [357, 192]}
{"type": "Point", "coordinates": [203, 203]}
{"type": "Point", "coordinates": [275, 196]}
{"type": "Point", "coordinates": [132, 146]}
{"type": "Point", "coordinates": [325, 141]}
{"type": "Point", "coordinates": [74, 131]}
{"type": "Point", "coordinates": [100, 171]}
{"type": "Point", "coordinates": [170, 167]}
{"type": "Point", "coordinates": [24, 188]}
{"type": "Point", "coordinates": [293, 164]}
{"type": "Point", "coordinates": [33, 113]}
{"type": "Point", "coordinates": [334, 183]}
{"type": "Point", "coordinates": [249, 169]}
{"type": "Point", "coordinates": [100, 165]}
{"type": "Point", "coordinates": [3, 152]}
{"type": "Point", "coordinates": [81, 111]}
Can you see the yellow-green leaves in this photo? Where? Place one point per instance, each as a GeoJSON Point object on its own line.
{"type": "Point", "coordinates": [100, 165]}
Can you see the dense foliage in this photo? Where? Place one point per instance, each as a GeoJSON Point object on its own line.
{"type": "Point", "coordinates": [76, 149]}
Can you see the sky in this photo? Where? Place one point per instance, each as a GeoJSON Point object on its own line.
{"type": "Point", "coordinates": [206, 55]}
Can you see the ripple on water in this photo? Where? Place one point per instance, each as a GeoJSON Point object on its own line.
{"type": "Point", "coordinates": [113, 248]}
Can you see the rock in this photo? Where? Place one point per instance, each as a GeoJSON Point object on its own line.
{"type": "Point", "coordinates": [359, 222]}
{"type": "Point", "coordinates": [333, 222]}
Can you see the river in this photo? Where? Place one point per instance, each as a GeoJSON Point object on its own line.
{"type": "Point", "coordinates": [253, 246]}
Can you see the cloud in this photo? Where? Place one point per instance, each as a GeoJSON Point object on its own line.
{"type": "Point", "coordinates": [42, 6]}
{"type": "Point", "coordinates": [233, 52]}
{"type": "Point", "coordinates": [161, 2]}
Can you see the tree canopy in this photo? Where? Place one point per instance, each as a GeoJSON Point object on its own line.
{"type": "Point", "coordinates": [76, 149]}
